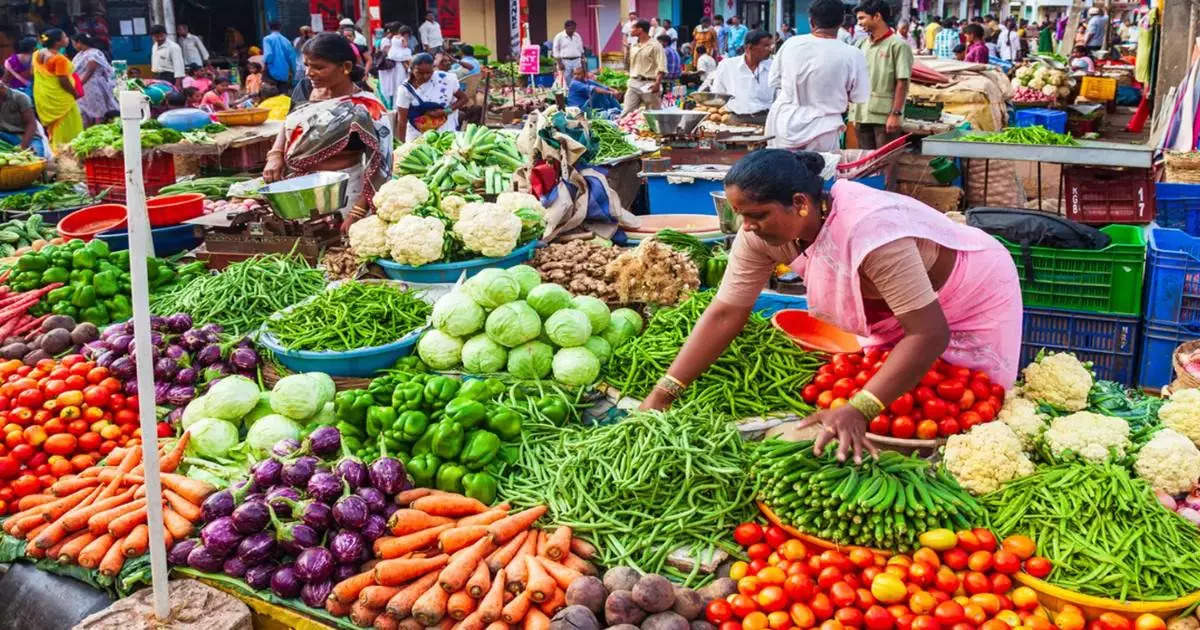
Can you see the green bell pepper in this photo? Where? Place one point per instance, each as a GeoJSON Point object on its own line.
{"type": "Point", "coordinates": [75, 244]}
{"type": "Point", "coordinates": [166, 275]}
{"type": "Point", "coordinates": [425, 443]}
{"type": "Point", "coordinates": [26, 280]}
{"type": "Point", "coordinates": [447, 439]}
{"type": "Point", "coordinates": [351, 406]}
{"type": "Point", "coordinates": [504, 422]}
{"type": "Point", "coordinates": [105, 283]}
{"type": "Point", "coordinates": [439, 391]}
{"type": "Point", "coordinates": [55, 274]}
{"type": "Point", "coordinates": [119, 308]}
{"type": "Point", "coordinates": [379, 419]}
{"type": "Point", "coordinates": [350, 443]}
{"type": "Point", "coordinates": [553, 407]}
{"type": "Point", "coordinates": [466, 411]}
{"type": "Point", "coordinates": [350, 430]}
{"type": "Point", "coordinates": [481, 448]}
{"type": "Point", "coordinates": [39, 309]}
{"type": "Point", "coordinates": [423, 468]}
{"type": "Point", "coordinates": [381, 391]}
{"type": "Point", "coordinates": [60, 294]}
{"type": "Point", "coordinates": [97, 248]}
{"type": "Point", "coordinates": [84, 296]}
{"type": "Point", "coordinates": [496, 387]}
{"type": "Point", "coordinates": [481, 486]}
{"type": "Point", "coordinates": [32, 261]}
{"type": "Point", "coordinates": [474, 389]}
{"type": "Point", "coordinates": [410, 363]}
{"type": "Point", "coordinates": [65, 308]}
{"type": "Point", "coordinates": [120, 259]}
{"type": "Point", "coordinates": [80, 277]}
{"type": "Point", "coordinates": [153, 268]}
{"type": "Point", "coordinates": [409, 396]}
{"type": "Point", "coordinates": [412, 424]}
{"type": "Point", "coordinates": [449, 477]}
{"type": "Point", "coordinates": [96, 314]}
{"type": "Point", "coordinates": [83, 259]}
{"type": "Point", "coordinates": [714, 269]}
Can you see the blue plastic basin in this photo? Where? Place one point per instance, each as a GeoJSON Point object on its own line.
{"type": "Point", "coordinates": [167, 240]}
{"type": "Point", "coordinates": [359, 362]}
{"type": "Point", "coordinates": [449, 272]}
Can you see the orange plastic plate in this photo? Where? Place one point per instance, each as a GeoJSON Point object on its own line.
{"type": "Point", "coordinates": [814, 334]}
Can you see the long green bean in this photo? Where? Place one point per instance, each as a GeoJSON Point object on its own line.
{"type": "Point", "coordinates": [353, 315]}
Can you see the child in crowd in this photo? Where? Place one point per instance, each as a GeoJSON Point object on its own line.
{"type": "Point", "coordinates": [217, 99]}
{"type": "Point", "coordinates": [254, 79]}
{"type": "Point", "coordinates": [198, 78]}
{"type": "Point", "coordinates": [1081, 60]}
{"type": "Point", "coordinates": [960, 52]}
{"type": "Point", "coordinates": [192, 97]}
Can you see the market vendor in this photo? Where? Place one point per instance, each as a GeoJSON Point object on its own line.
{"type": "Point", "coordinates": [429, 100]}
{"type": "Point", "coordinates": [340, 127]}
{"type": "Point", "coordinates": [18, 122]}
{"type": "Point", "coordinates": [746, 78]}
{"type": "Point", "coordinates": [588, 94]}
{"type": "Point", "coordinates": [881, 265]}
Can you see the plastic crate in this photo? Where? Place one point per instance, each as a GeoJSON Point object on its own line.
{"type": "Point", "coordinates": [923, 111]}
{"type": "Point", "coordinates": [1178, 206]}
{"type": "Point", "coordinates": [1173, 291]}
{"type": "Point", "coordinates": [1105, 280]}
{"type": "Point", "coordinates": [1098, 89]}
{"type": "Point", "coordinates": [1053, 120]}
{"type": "Point", "coordinates": [1110, 342]}
{"type": "Point", "coordinates": [157, 171]}
{"type": "Point", "coordinates": [1155, 369]}
{"type": "Point", "coordinates": [252, 157]}
{"type": "Point", "coordinates": [1100, 196]}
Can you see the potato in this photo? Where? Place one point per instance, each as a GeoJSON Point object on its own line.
{"type": "Point", "coordinates": [653, 593]}
{"type": "Point", "coordinates": [701, 624]}
{"type": "Point", "coordinates": [719, 588]}
{"type": "Point", "coordinates": [621, 578]}
{"type": "Point", "coordinates": [574, 618]}
{"type": "Point", "coordinates": [665, 621]}
{"type": "Point", "coordinates": [589, 592]}
{"type": "Point", "coordinates": [620, 609]}
{"type": "Point", "coordinates": [688, 603]}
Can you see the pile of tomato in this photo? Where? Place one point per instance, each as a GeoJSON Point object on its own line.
{"type": "Point", "coordinates": [960, 581]}
{"type": "Point", "coordinates": [58, 418]}
{"type": "Point", "coordinates": [948, 400]}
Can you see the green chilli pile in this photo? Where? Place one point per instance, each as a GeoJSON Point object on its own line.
{"type": "Point", "coordinates": [641, 488]}
{"type": "Point", "coordinates": [761, 371]}
{"type": "Point", "coordinates": [884, 503]}
{"type": "Point", "coordinates": [351, 315]}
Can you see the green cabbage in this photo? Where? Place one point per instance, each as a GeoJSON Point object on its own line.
{"type": "Point", "coordinates": [326, 415]}
{"type": "Point", "coordinates": [262, 408]}
{"type": "Point", "coordinates": [492, 287]}
{"type": "Point", "coordinates": [439, 350]}
{"type": "Point", "coordinates": [530, 360]}
{"type": "Point", "coordinates": [194, 411]}
{"type": "Point", "coordinates": [548, 297]}
{"type": "Point", "coordinates": [599, 347]}
{"type": "Point", "coordinates": [212, 437]}
{"type": "Point", "coordinates": [481, 355]}
{"type": "Point", "coordinates": [457, 315]}
{"type": "Point", "coordinates": [618, 332]}
{"type": "Point", "coordinates": [595, 309]}
{"type": "Point", "coordinates": [269, 430]}
{"type": "Point", "coordinates": [324, 384]}
{"type": "Point", "coordinates": [231, 398]}
{"type": "Point", "coordinates": [296, 396]}
{"type": "Point", "coordinates": [512, 324]}
{"type": "Point", "coordinates": [630, 315]}
{"type": "Point", "coordinates": [568, 327]}
{"type": "Point", "coordinates": [576, 367]}
{"type": "Point", "coordinates": [527, 277]}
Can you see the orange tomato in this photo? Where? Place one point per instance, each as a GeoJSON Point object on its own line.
{"type": "Point", "coordinates": [1066, 620]}
{"type": "Point", "coordinates": [1019, 545]}
{"type": "Point", "coordinates": [60, 466]}
{"type": "Point", "coordinates": [1024, 598]}
{"type": "Point", "coordinates": [34, 435]}
{"type": "Point", "coordinates": [70, 397]}
{"type": "Point", "coordinates": [737, 570]}
{"type": "Point", "coordinates": [989, 602]}
{"type": "Point", "coordinates": [862, 558]}
{"type": "Point", "coordinates": [771, 598]}
{"type": "Point", "coordinates": [771, 575]}
{"type": "Point", "coordinates": [60, 444]}
{"type": "Point", "coordinates": [110, 432]}
{"type": "Point", "coordinates": [921, 603]}
{"type": "Point", "coordinates": [802, 616]}
{"type": "Point", "coordinates": [928, 556]}
{"type": "Point", "coordinates": [1148, 621]}
{"type": "Point", "coordinates": [925, 622]}
{"type": "Point", "coordinates": [756, 620]}
{"type": "Point", "coordinates": [832, 624]}
{"type": "Point", "coordinates": [865, 598]}
{"type": "Point", "coordinates": [821, 606]}
{"type": "Point", "coordinates": [974, 613]}
{"type": "Point", "coordinates": [779, 620]}
{"type": "Point", "coordinates": [1112, 621]}
{"type": "Point", "coordinates": [980, 561]}
{"type": "Point", "coordinates": [994, 624]}
{"type": "Point", "coordinates": [82, 461]}
{"type": "Point", "coordinates": [849, 617]}
{"type": "Point", "coordinates": [920, 573]}
{"type": "Point", "coordinates": [1009, 617]}
{"type": "Point", "coordinates": [793, 549]}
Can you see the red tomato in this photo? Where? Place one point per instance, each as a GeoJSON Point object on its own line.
{"type": "Point", "coordinates": [842, 594]}
{"type": "Point", "coordinates": [1006, 562]}
{"type": "Point", "coordinates": [968, 541]}
{"type": "Point", "coordinates": [923, 393]}
{"type": "Point", "coordinates": [1001, 583]}
{"type": "Point", "coordinates": [835, 558]}
{"type": "Point", "coordinates": [920, 573]}
{"type": "Point", "coordinates": [925, 622]}
{"type": "Point", "coordinates": [844, 369]}
{"type": "Point", "coordinates": [107, 446]}
{"type": "Point", "coordinates": [31, 398]}
{"type": "Point", "coordinates": [757, 565]}
{"type": "Point", "coordinates": [931, 378]}
{"type": "Point", "coordinates": [934, 408]}
{"type": "Point", "coordinates": [77, 427]}
{"type": "Point", "coordinates": [904, 427]}
{"type": "Point", "coordinates": [968, 419]}
{"type": "Point", "coordinates": [810, 393]}
{"type": "Point", "coordinates": [76, 382]}
{"type": "Point", "coordinates": [9, 468]}
{"type": "Point", "coordinates": [799, 588]}
{"type": "Point", "coordinates": [996, 390]}
{"type": "Point", "coordinates": [880, 425]}
{"type": "Point", "coordinates": [1037, 566]}
{"type": "Point", "coordinates": [987, 540]}
{"type": "Point", "coordinates": [821, 606]}
{"type": "Point", "coordinates": [81, 368]}
{"type": "Point", "coordinates": [125, 416]}
{"type": "Point", "coordinates": [829, 576]}
{"type": "Point", "coordinates": [878, 618]}
{"type": "Point", "coordinates": [742, 605]}
{"type": "Point", "coordinates": [54, 425]}
{"type": "Point", "coordinates": [758, 551]}
{"type": "Point", "coordinates": [948, 426]}
{"type": "Point", "coordinates": [951, 390]}
{"type": "Point", "coordinates": [771, 598]}
{"type": "Point", "coordinates": [54, 387]}
{"type": "Point", "coordinates": [843, 387]}
{"type": "Point", "coordinates": [980, 561]}
{"type": "Point", "coordinates": [730, 625]}
{"type": "Point", "coordinates": [718, 611]}
{"type": "Point", "coordinates": [89, 441]}
{"type": "Point", "coordinates": [824, 382]}
{"type": "Point", "coordinates": [946, 580]}
{"type": "Point", "coordinates": [902, 405]}
{"type": "Point", "coordinates": [948, 613]}
{"type": "Point", "coordinates": [1112, 621]}
{"type": "Point", "coordinates": [976, 582]}
{"type": "Point", "coordinates": [927, 429]}
{"type": "Point", "coordinates": [905, 621]}
{"type": "Point", "coordinates": [25, 485]}
{"type": "Point", "coordinates": [22, 452]}
{"type": "Point", "coordinates": [775, 536]}
{"type": "Point", "coordinates": [747, 534]}
{"type": "Point", "coordinates": [112, 385]}
{"type": "Point", "coordinates": [985, 409]}
{"type": "Point", "coordinates": [164, 430]}
{"type": "Point", "coordinates": [95, 395]}
{"type": "Point", "coordinates": [96, 375]}
{"type": "Point", "coordinates": [849, 617]}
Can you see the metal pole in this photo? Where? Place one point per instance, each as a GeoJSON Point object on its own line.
{"type": "Point", "coordinates": [132, 106]}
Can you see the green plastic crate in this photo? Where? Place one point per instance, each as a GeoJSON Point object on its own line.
{"type": "Point", "coordinates": [1105, 280]}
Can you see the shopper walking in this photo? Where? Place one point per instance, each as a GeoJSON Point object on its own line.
{"type": "Point", "coordinates": [704, 35]}
{"type": "Point", "coordinates": [279, 57]}
{"type": "Point", "coordinates": [567, 50]}
{"type": "Point", "coordinates": [55, 90]}
{"type": "Point", "coordinates": [889, 65]}
{"type": "Point", "coordinates": [429, 100]}
{"type": "Point", "coordinates": [98, 102]}
{"type": "Point", "coordinates": [166, 58]}
{"type": "Point", "coordinates": [18, 68]}
{"type": "Point", "coordinates": [431, 33]}
{"type": "Point", "coordinates": [747, 78]}
{"type": "Point", "coordinates": [194, 52]}
{"type": "Point", "coordinates": [647, 66]}
{"type": "Point", "coordinates": [736, 37]}
{"type": "Point", "coordinates": [395, 56]}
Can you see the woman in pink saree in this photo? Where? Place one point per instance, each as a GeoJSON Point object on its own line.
{"type": "Point", "coordinates": [883, 266]}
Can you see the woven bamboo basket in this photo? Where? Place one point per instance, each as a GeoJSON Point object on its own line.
{"type": "Point", "coordinates": [1183, 167]}
{"type": "Point", "coordinates": [1183, 378]}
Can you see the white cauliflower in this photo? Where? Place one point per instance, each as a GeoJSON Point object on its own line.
{"type": "Point", "coordinates": [368, 238]}
{"type": "Point", "coordinates": [488, 229]}
{"type": "Point", "coordinates": [1182, 413]}
{"type": "Point", "coordinates": [1169, 462]}
{"type": "Point", "coordinates": [1024, 71]}
{"type": "Point", "coordinates": [986, 457]}
{"type": "Point", "coordinates": [452, 205]}
{"type": "Point", "coordinates": [1059, 380]}
{"type": "Point", "coordinates": [1022, 417]}
{"type": "Point", "coordinates": [416, 240]}
{"type": "Point", "coordinates": [1037, 83]}
{"type": "Point", "coordinates": [1091, 436]}
{"type": "Point", "coordinates": [1049, 90]}
{"type": "Point", "coordinates": [514, 201]}
{"type": "Point", "coordinates": [399, 197]}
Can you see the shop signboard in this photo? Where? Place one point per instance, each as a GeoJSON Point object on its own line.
{"type": "Point", "coordinates": [448, 18]}
{"type": "Point", "coordinates": [529, 60]}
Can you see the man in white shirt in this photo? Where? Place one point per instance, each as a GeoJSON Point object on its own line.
{"type": "Point", "coordinates": [431, 33]}
{"type": "Point", "coordinates": [746, 78]}
{"type": "Point", "coordinates": [359, 38]}
{"type": "Point", "coordinates": [567, 49]}
{"type": "Point", "coordinates": [818, 77]}
{"type": "Point", "coordinates": [194, 52]}
{"type": "Point", "coordinates": [671, 32]}
{"type": "Point", "coordinates": [627, 29]}
{"type": "Point", "coordinates": [166, 58]}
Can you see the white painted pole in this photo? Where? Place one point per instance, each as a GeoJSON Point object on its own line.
{"type": "Point", "coordinates": [132, 106]}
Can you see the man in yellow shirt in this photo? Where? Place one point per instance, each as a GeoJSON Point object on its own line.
{"type": "Point", "coordinates": [931, 31]}
{"type": "Point", "coordinates": [647, 65]}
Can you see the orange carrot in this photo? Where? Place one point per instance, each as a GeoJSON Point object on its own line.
{"type": "Point", "coordinates": [493, 514]}
{"type": "Point", "coordinates": [555, 602]}
{"type": "Point", "coordinates": [400, 605]}
{"type": "Point", "coordinates": [347, 590]}
{"type": "Point", "coordinates": [50, 536]}
{"type": "Point", "coordinates": [137, 541]}
{"type": "Point", "coordinates": [114, 559]}
{"type": "Point", "coordinates": [336, 608]}
{"type": "Point", "coordinates": [582, 548]}
{"type": "Point", "coordinates": [493, 601]}
{"type": "Point", "coordinates": [376, 596]}
{"type": "Point", "coordinates": [407, 521]}
{"type": "Point", "coordinates": [457, 538]}
{"type": "Point", "coordinates": [77, 519]}
{"type": "Point", "coordinates": [169, 462]}
{"type": "Point", "coordinates": [408, 623]}
{"type": "Point", "coordinates": [122, 525]}
{"type": "Point", "coordinates": [562, 575]}
{"type": "Point", "coordinates": [480, 582]}
{"type": "Point", "coordinates": [396, 546]}
{"type": "Point", "coordinates": [98, 523]}
{"type": "Point", "coordinates": [462, 564]}
{"type": "Point", "coordinates": [385, 622]}
{"type": "Point", "coordinates": [23, 524]}
{"type": "Point", "coordinates": [67, 485]}
{"type": "Point", "coordinates": [55, 510]}
{"type": "Point", "coordinates": [473, 621]}
{"type": "Point", "coordinates": [90, 556]}
{"type": "Point", "coordinates": [517, 571]}
{"type": "Point", "coordinates": [445, 624]}
{"type": "Point", "coordinates": [179, 527]}
{"type": "Point", "coordinates": [579, 564]}
{"type": "Point", "coordinates": [33, 500]}
{"type": "Point", "coordinates": [400, 570]}
{"type": "Point", "coordinates": [504, 529]}
{"type": "Point", "coordinates": [558, 544]}
{"type": "Point", "coordinates": [43, 509]}
{"type": "Point", "coordinates": [182, 506]}
{"type": "Point", "coordinates": [193, 490]}
{"type": "Point", "coordinates": [541, 542]}
{"type": "Point", "coordinates": [70, 550]}
{"type": "Point", "coordinates": [408, 496]}
{"type": "Point", "coordinates": [459, 605]}
{"type": "Point", "coordinates": [502, 556]}
{"type": "Point", "coordinates": [539, 583]}
{"type": "Point", "coordinates": [536, 620]}
{"type": "Point", "coordinates": [430, 607]}
{"type": "Point", "coordinates": [53, 552]}
{"type": "Point", "coordinates": [32, 549]}
{"type": "Point", "coordinates": [515, 611]}
{"type": "Point", "coordinates": [362, 616]}
{"type": "Point", "coordinates": [497, 625]}
{"type": "Point", "coordinates": [446, 504]}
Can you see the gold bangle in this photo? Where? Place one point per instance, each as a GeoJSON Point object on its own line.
{"type": "Point", "coordinates": [867, 404]}
{"type": "Point", "coordinates": [678, 382]}
{"type": "Point", "coordinates": [670, 385]}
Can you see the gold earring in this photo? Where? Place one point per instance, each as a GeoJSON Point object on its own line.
{"type": "Point", "coordinates": [804, 210]}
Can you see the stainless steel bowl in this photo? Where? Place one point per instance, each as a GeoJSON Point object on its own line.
{"type": "Point", "coordinates": [669, 122]}
{"type": "Point", "coordinates": [729, 220]}
{"type": "Point", "coordinates": [709, 99]}
{"type": "Point", "coordinates": [304, 197]}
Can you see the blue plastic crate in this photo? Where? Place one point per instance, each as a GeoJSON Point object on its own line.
{"type": "Point", "coordinates": [1178, 206]}
{"type": "Point", "coordinates": [1110, 342]}
{"type": "Point", "coordinates": [1173, 286]}
{"type": "Point", "coordinates": [1155, 370]}
{"type": "Point", "coordinates": [1051, 119]}
{"type": "Point", "coordinates": [543, 80]}
{"type": "Point", "coordinates": [167, 241]}
{"type": "Point", "coordinates": [436, 273]}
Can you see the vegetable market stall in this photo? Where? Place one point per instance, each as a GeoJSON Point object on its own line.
{"type": "Point", "coordinates": [240, 148]}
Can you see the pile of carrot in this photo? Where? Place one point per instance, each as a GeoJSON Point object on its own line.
{"type": "Point", "coordinates": [456, 564]}
{"type": "Point", "coordinates": [97, 519]}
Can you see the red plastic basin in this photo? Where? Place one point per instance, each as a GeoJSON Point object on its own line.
{"type": "Point", "coordinates": [86, 223]}
{"type": "Point", "coordinates": [814, 334]}
{"type": "Point", "coordinates": [174, 209]}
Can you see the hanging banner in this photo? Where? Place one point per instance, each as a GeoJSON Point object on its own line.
{"type": "Point", "coordinates": [374, 19]}
{"type": "Point", "coordinates": [448, 18]}
{"type": "Point", "coordinates": [514, 27]}
{"type": "Point", "coordinates": [708, 9]}
{"type": "Point", "coordinates": [529, 60]}
{"type": "Point", "coordinates": [328, 11]}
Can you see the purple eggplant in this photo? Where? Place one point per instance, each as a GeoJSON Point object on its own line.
{"type": "Point", "coordinates": [123, 368]}
{"type": "Point", "coordinates": [256, 548]}
{"type": "Point", "coordinates": [266, 473]}
{"type": "Point", "coordinates": [297, 472]}
{"type": "Point", "coordinates": [315, 514]}
{"type": "Point", "coordinates": [388, 510]}
{"type": "Point", "coordinates": [352, 471]}
{"type": "Point", "coordinates": [244, 358]}
{"type": "Point", "coordinates": [347, 547]}
{"type": "Point", "coordinates": [220, 537]}
{"type": "Point", "coordinates": [158, 322]}
{"type": "Point", "coordinates": [130, 387]}
{"type": "Point", "coordinates": [388, 475]}
{"type": "Point", "coordinates": [212, 329]}
{"type": "Point", "coordinates": [217, 504]}
{"type": "Point", "coordinates": [251, 517]}
{"type": "Point", "coordinates": [285, 583]}
{"type": "Point", "coordinates": [324, 442]}
{"type": "Point", "coordinates": [180, 550]}
{"type": "Point", "coordinates": [293, 537]}
{"type": "Point", "coordinates": [235, 566]}
{"type": "Point", "coordinates": [192, 340]}
{"type": "Point", "coordinates": [208, 355]}
{"type": "Point", "coordinates": [201, 559]}
{"type": "Point", "coordinates": [350, 512]}
{"type": "Point", "coordinates": [93, 349]}
{"type": "Point", "coordinates": [314, 564]}
{"type": "Point", "coordinates": [106, 358]}
{"type": "Point", "coordinates": [285, 447]}
{"type": "Point", "coordinates": [175, 416]}
{"type": "Point", "coordinates": [186, 376]}
{"type": "Point", "coordinates": [120, 344]}
{"type": "Point", "coordinates": [176, 353]}
{"type": "Point", "coordinates": [255, 496]}
{"type": "Point", "coordinates": [165, 369]}
{"type": "Point", "coordinates": [315, 593]}
{"type": "Point", "coordinates": [160, 392]}
{"type": "Point", "coordinates": [180, 395]}
{"type": "Point", "coordinates": [343, 571]}
{"type": "Point", "coordinates": [259, 575]}
{"type": "Point", "coordinates": [376, 501]}
{"type": "Point", "coordinates": [325, 487]}
{"type": "Point", "coordinates": [179, 323]}
{"type": "Point", "coordinates": [375, 527]}
{"type": "Point", "coordinates": [276, 499]}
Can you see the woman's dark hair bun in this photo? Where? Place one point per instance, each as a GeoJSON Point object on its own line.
{"type": "Point", "coordinates": [777, 175]}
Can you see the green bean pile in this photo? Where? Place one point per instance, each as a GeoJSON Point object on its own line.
{"type": "Point", "coordinates": [1036, 134]}
{"type": "Point", "coordinates": [641, 488]}
{"type": "Point", "coordinates": [610, 141]}
{"type": "Point", "coordinates": [760, 372]}
{"type": "Point", "coordinates": [352, 315]}
{"type": "Point", "coordinates": [245, 294]}
{"type": "Point", "coordinates": [1103, 531]}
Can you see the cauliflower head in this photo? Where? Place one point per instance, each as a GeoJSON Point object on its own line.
{"type": "Point", "coordinates": [416, 240]}
{"type": "Point", "coordinates": [1037, 83]}
{"type": "Point", "coordinates": [452, 206]}
{"type": "Point", "coordinates": [368, 238]}
{"type": "Point", "coordinates": [488, 229]}
{"type": "Point", "coordinates": [399, 197]}
{"type": "Point", "coordinates": [1059, 380]}
{"type": "Point", "coordinates": [1182, 413]}
{"type": "Point", "coordinates": [1049, 90]}
{"type": "Point", "coordinates": [1024, 71]}
{"type": "Point", "coordinates": [514, 201]}
{"type": "Point", "coordinates": [986, 457]}
{"type": "Point", "coordinates": [1169, 462]}
{"type": "Point", "coordinates": [1022, 417]}
{"type": "Point", "coordinates": [1089, 435]}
